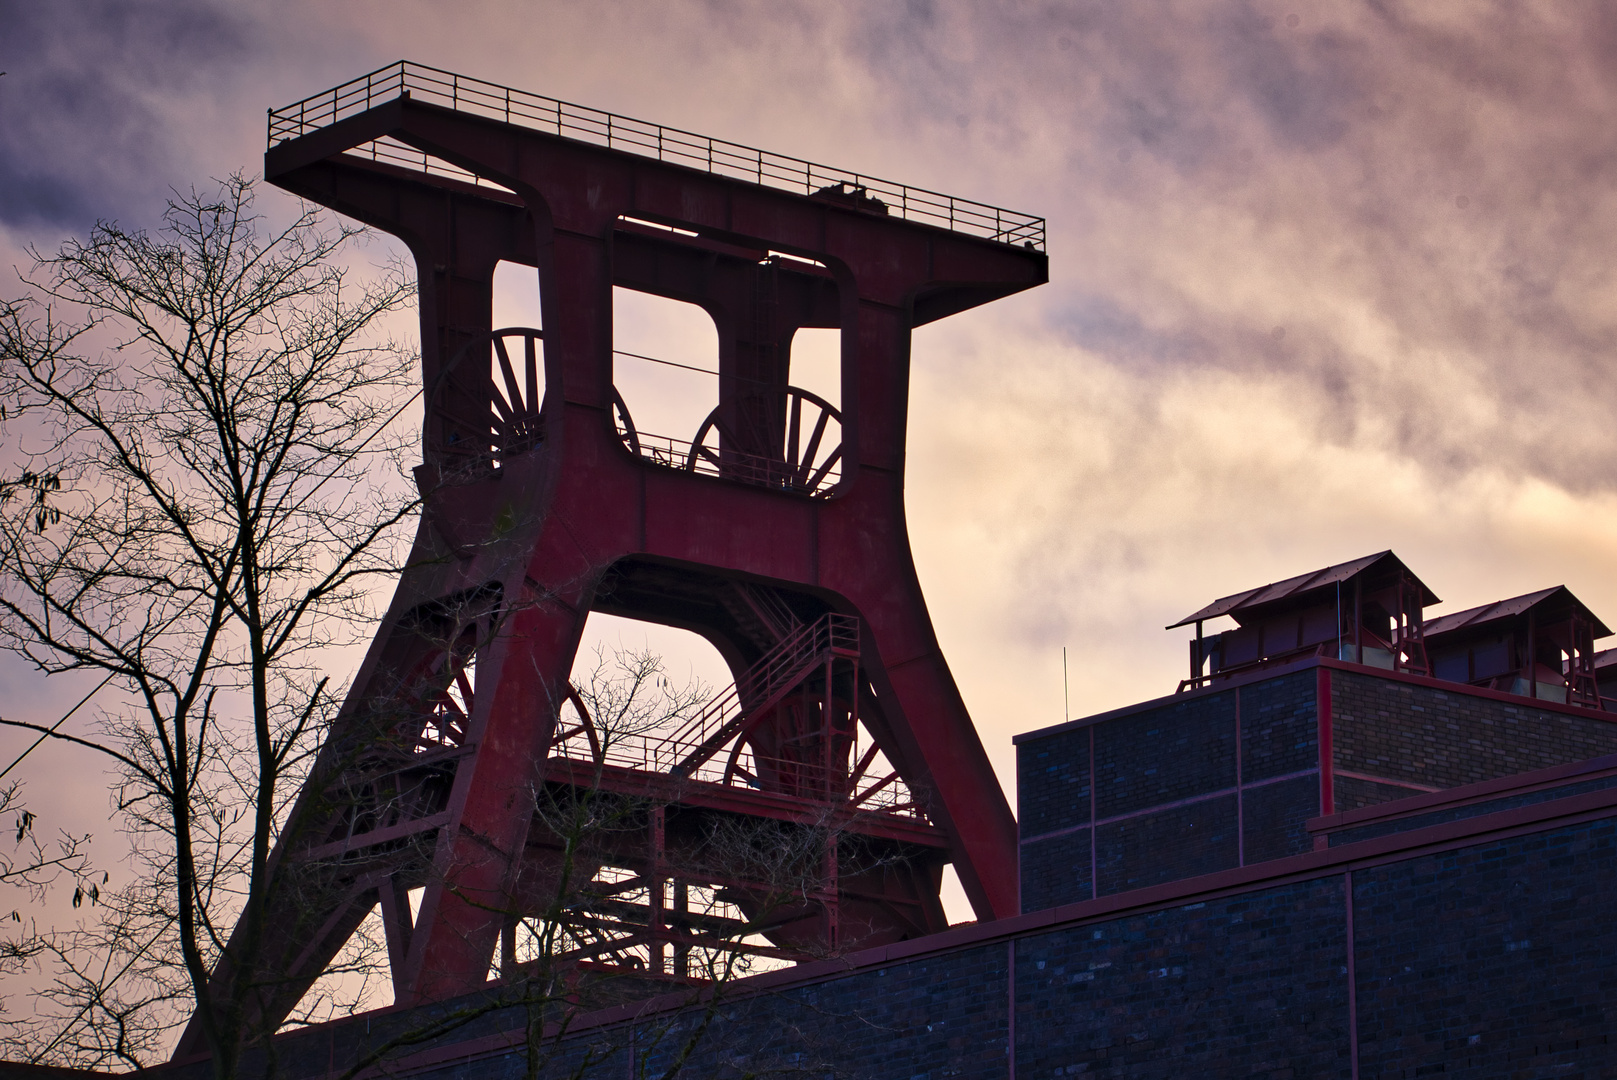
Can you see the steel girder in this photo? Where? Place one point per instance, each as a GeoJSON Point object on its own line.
{"type": "Point", "coordinates": [517, 544]}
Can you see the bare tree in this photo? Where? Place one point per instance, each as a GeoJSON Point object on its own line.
{"type": "Point", "coordinates": [213, 408]}
{"type": "Point", "coordinates": [213, 483]}
{"type": "Point", "coordinates": [34, 864]}
{"type": "Point", "coordinates": [29, 866]}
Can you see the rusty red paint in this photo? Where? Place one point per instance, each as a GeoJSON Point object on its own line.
{"type": "Point", "coordinates": [540, 510]}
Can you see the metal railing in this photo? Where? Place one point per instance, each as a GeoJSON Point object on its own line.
{"type": "Point", "coordinates": [737, 465]}
{"type": "Point", "coordinates": [694, 750]}
{"type": "Point", "coordinates": [584, 124]}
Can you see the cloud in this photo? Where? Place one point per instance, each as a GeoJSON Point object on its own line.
{"type": "Point", "coordinates": [1407, 213]}
{"type": "Point", "coordinates": [1325, 279]}
{"type": "Point", "coordinates": [92, 117]}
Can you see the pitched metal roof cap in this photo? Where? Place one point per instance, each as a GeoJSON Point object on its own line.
{"type": "Point", "coordinates": [1383, 564]}
{"type": "Point", "coordinates": [1551, 605]}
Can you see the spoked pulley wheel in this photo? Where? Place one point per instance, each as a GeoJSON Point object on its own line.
{"type": "Point", "coordinates": [804, 457]}
{"type": "Point", "coordinates": [486, 414]}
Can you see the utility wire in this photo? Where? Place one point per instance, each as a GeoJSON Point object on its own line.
{"type": "Point", "coordinates": [54, 726]}
{"type": "Point", "coordinates": [699, 370]}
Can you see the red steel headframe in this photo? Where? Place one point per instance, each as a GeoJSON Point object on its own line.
{"type": "Point", "coordinates": [566, 509]}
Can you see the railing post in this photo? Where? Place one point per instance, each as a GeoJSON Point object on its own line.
{"type": "Point", "coordinates": [970, 216]}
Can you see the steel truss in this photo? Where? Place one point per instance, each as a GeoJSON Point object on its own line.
{"type": "Point", "coordinates": [811, 809]}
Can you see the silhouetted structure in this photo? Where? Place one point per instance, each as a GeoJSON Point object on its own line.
{"type": "Point", "coordinates": [1540, 644]}
{"type": "Point", "coordinates": [775, 530]}
{"type": "Point", "coordinates": [1356, 841]}
{"type": "Point", "coordinates": [1367, 611]}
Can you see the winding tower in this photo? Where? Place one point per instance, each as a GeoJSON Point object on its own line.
{"type": "Point", "coordinates": [776, 531]}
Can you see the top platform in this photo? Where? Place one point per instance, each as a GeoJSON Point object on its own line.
{"type": "Point", "coordinates": [583, 124]}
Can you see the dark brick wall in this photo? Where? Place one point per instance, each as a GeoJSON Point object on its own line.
{"type": "Point", "coordinates": [1276, 817]}
{"type": "Point", "coordinates": [1052, 783]}
{"type": "Point", "coordinates": [1242, 986]}
{"type": "Point", "coordinates": [1279, 726]}
{"type": "Point", "coordinates": [1056, 870]}
{"type": "Point", "coordinates": [1490, 961]}
{"type": "Point", "coordinates": [1401, 731]}
{"type": "Point", "coordinates": [1353, 792]}
{"type": "Point", "coordinates": [1508, 941]}
{"type": "Point", "coordinates": [1171, 753]}
{"type": "Point", "coordinates": [1166, 845]}
{"type": "Point", "coordinates": [944, 1016]}
{"type": "Point", "coordinates": [1150, 760]}
{"type": "Point", "coordinates": [940, 1017]}
{"type": "Point", "coordinates": [1459, 813]}
{"type": "Point", "coordinates": [1403, 737]}
{"type": "Point", "coordinates": [1146, 762]}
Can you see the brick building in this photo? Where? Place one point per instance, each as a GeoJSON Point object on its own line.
{"type": "Point", "coordinates": [1299, 865]}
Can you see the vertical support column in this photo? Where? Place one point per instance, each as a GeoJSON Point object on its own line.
{"type": "Point", "coordinates": [464, 906]}
{"type": "Point", "coordinates": [682, 908]}
{"type": "Point", "coordinates": [855, 688]}
{"type": "Point", "coordinates": [397, 925]}
{"type": "Point", "coordinates": [1322, 706]}
{"type": "Point", "coordinates": [1240, 794]}
{"type": "Point", "coordinates": [828, 786]}
{"type": "Point", "coordinates": [828, 734]}
{"type": "Point", "coordinates": [508, 946]}
{"type": "Point", "coordinates": [829, 893]}
{"type": "Point", "coordinates": [577, 309]}
{"type": "Point", "coordinates": [655, 922]}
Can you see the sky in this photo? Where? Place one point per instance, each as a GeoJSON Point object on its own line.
{"type": "Point", "coordinates": [1325, 279]}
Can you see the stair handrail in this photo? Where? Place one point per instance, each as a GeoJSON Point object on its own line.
{"type": "Point", "coordinates": [769, 680]}
{"type": "Point", "coordinates": [763, 678]}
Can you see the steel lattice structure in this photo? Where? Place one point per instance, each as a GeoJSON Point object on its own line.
{"type": "Point", "coordinates": [776, 531]}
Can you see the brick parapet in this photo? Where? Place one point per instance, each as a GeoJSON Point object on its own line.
{"type": "Point", "coordinates": [1239, 973]}
{"type": "Point", "coordinates": [1162, 770]}
{"type": "Point", "coordinates": [1433, 737]}
{"type": "Point", "coordinates": [1172, 786]}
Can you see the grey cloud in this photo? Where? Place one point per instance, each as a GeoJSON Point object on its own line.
{"type": "Point", "coordinates": [86, 128]}
{"type": "Point", "coordinates": [1437, 176]}
{"type": "Point", "coordinates": [1304, 85]}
